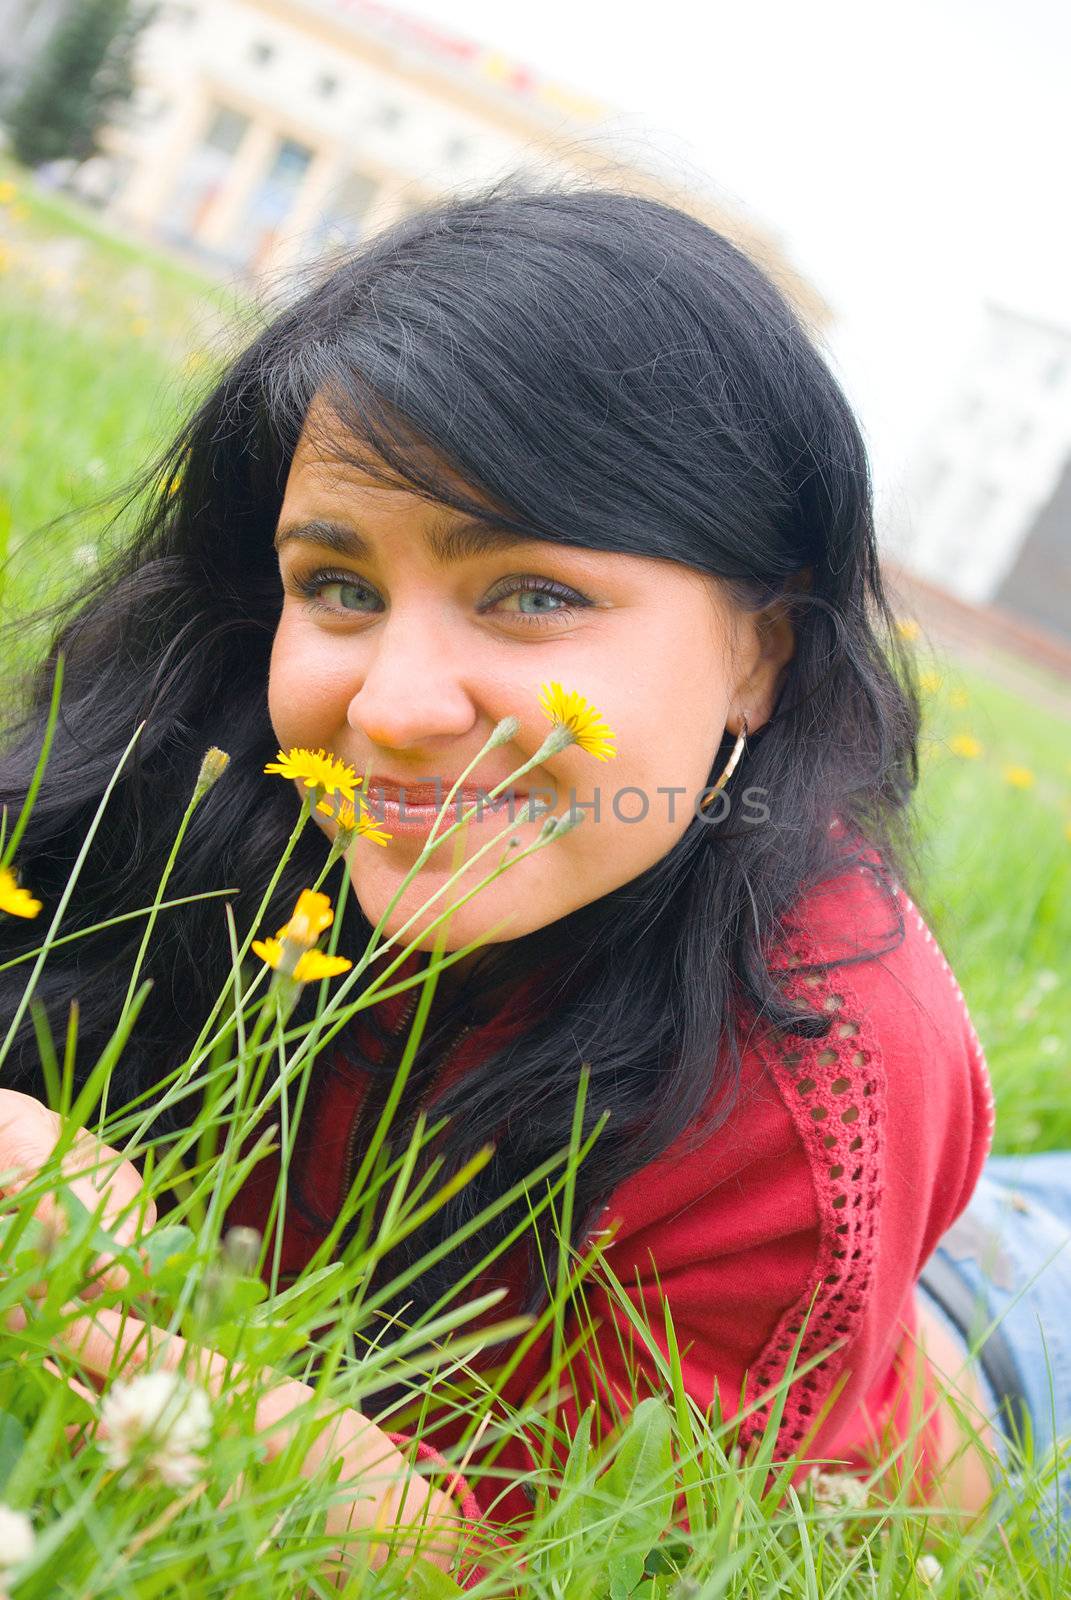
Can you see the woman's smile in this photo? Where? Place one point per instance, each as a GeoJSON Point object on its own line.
{"type": "Point", "coordinates": [413, 807]}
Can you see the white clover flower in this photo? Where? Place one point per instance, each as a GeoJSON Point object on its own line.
{"type": "Point", "coordinates": [929, 1570]}
{"type": "Point", "coordinates": [839, 1491]}
{"type": "Point", "coordinates": [163, 1416]}
{"type": "Point", "coordinates": [16, 1539]}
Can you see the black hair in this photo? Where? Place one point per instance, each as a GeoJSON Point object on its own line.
{"type": "Point", "coordinates": [607, 371]}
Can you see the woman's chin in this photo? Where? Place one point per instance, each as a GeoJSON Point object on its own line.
{"type": "Point", "coordinates": [487, 923]}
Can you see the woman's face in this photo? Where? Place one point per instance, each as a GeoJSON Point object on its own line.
{"type": "Point", "coordinates": [428, 637]}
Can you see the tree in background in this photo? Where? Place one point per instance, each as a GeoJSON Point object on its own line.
{"type": "Point", "coordinates": [81, 76]}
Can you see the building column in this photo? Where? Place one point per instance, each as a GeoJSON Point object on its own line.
{"type": "Point", "coordinates": [157, 166]}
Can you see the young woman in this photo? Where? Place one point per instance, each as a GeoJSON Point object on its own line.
{"type": "Point", "coordinates": [569, 437]}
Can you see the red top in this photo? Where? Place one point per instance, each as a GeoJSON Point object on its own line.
{"type": "Point", "coordinates": [842, 1163]}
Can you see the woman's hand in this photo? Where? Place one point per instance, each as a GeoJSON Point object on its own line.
{"type": "Point", "coordinates": [384, 1490]}
{"type": "Point", "coordinates": [105, 1343]}
{"type": "Point", "coordinates": [29, 1132]}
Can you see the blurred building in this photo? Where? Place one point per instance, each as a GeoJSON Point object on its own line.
{"type": "Point", "coordinates": [989, 494]}
{"type": "Point", "coordinates": [266, 131]}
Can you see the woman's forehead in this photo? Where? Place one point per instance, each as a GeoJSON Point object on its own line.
{"type": "Point", "coordinates": [330, 454]}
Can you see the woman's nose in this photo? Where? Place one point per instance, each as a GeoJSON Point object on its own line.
{"type": "Point", "coordinates": [412, 690]}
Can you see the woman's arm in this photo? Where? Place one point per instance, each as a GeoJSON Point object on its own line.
{"type": "Point", "coordinates": [385, 1493]}
{"type": "Point", "coordinates": [386, 1490]}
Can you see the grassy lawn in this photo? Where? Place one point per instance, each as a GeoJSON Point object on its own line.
{"type": "Point", "coordinates": [106, 344]}
{"type": "Point", "coordinates": [996, 825]}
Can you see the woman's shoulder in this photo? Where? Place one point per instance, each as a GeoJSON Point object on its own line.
{"type": "Point", "coordinates": [858, 947]}
{"type": "Point", "coordinates": [817, 1200]}
{"type": "Point", "coordinates": [892, 1104]}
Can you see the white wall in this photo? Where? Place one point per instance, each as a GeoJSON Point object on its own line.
{"type": "Point", "coordinates": [992, 458]}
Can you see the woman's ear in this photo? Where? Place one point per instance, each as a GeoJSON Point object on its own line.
{"type": "Point", "coordinates": [771, 646]}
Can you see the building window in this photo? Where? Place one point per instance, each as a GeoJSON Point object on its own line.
{"type": "Point", "coordinates": [205, 173]}
{"type": "Point", "coordinates": [270, 202]}
{"type": "Point", "coordinates": [326, 85]}
{"type": "Point", "coordinates": [261, 52]}
{"type": "Point", "coordinates": [226, 130]}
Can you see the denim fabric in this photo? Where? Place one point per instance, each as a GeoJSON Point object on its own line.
{"type": "Point", "coordinates": [1012, 1247]}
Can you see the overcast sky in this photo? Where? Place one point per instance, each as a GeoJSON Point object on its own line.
{"type": "Point", "coordinates": [914, 156]}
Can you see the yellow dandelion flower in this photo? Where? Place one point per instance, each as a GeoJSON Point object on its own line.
{"type": "Point", "coordinates": [311, 916]}
{"type": "Point", "coordinates": [343, 812]}
{"type": "Point", "coordinates": [369, 829]}
{"type": "Point", "coordinates": [15, 901]}
{"type": "Point", "coordinates": [1018, 777]}
{"type": "Point", "coordinates": [929, 682]}
{"type": "Point", "coordinates": [907, 628]}
{"type": "Point", "coordinates": [315, 965]}
{"type": "Point", "coordinates": [316, 770]}
{"type": "Point", "coordinates": [311, 964]}
{"type": "Point", "coordinates": [570, 710]}
{"type": "Point", "coordinates": [8, 192]}
{"type": "Point", "coordinates": [139, 327]}
{"type": "Point", "coordinates": [363, 827]}
{"type": "Point", "coordinates": [291, 951]}
{"type": "Point", "coordinates": [959, 699]}
{"type": "Point", "coordinates": [966, 745]}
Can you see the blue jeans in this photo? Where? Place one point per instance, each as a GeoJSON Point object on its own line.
{"type": "Point", "coordinates": [1012, 1248]}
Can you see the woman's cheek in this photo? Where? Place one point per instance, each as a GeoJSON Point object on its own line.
{"type": "Point", "coordinates": [301, 695]}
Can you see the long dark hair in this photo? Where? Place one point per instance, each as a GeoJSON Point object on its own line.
{"type": "Point", "coordinates": [608, 372]}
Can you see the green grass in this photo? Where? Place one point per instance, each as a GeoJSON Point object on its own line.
{"type": "Point", "coordinates": [998, 890]}
{"type": "Point", "coordinates": [105, 346]}
{"type": "Point", "coordinates": [97, 370]}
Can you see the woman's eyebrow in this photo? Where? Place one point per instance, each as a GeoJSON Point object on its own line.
{"type": "Point", "coordinates": [455, 542]}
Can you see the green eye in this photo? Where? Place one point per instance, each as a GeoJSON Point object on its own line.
{"type": "Point", "coordinates": [311, 586]}
{"type": "Point", "coordinates": [548, 599]}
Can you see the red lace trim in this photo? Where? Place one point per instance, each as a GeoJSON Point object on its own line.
{"type": "Point", "coordinates": [835, 1089]}
{"type": "Point", "coordinates": [479, 1537]}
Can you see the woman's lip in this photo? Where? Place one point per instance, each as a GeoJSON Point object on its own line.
{"type": "Point", "coordinates": [425, 793]}
{"type": "Point", "coordinates": [391, 815]}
